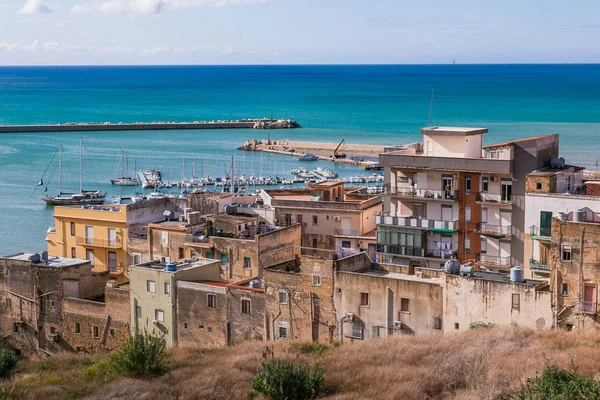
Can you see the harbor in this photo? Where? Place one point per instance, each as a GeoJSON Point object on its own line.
{"type": "Point", "coordinates": [251, 123]}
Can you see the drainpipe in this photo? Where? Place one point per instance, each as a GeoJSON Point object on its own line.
{"type": "Point", "coordinates": [580, 270]}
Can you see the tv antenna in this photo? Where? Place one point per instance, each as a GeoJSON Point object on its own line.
{"type": "Point", "coordinates": [431, 108]}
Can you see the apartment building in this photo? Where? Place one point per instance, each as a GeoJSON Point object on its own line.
{"type": "Point", "coordinates": [331, 217]}
{"type": "Point", "coordinates": [453, 195]}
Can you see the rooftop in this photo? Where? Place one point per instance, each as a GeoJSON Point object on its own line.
{"type": "Point", "coordinates": [505, 144]}
{"type": "Point", "coordinates": [400, 276]}
{"type": "Point", "coordinates": [327, 184]}
{"type": "Point", "coordinates": [547, 171]}
{"type": "Point", "coordinates": [181, 266]}
{"type": "Point", "coordinates": [232, 218]}
{"type": "Point", "coordinates": [56, 262]}
{"type": "Point", "coordinates": [452, 131]}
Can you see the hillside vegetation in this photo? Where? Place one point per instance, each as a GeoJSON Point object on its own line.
{"type": "Point", "coordinates": [477, 364]}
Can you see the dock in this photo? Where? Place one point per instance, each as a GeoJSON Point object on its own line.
{"type": "Point", "coordinates": [257, 123]}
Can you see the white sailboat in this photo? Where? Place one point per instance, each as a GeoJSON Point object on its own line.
{"type": "Point", "coordinates": [124, 179]}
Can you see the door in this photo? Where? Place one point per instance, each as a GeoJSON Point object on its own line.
{"type": "Point", "coordinates": [347, 223]}
{"type": "Point", "coordinates": [89, 234]}
{"type": "Point", "coordinates": [504, 253]}
{"type": "Point", "coordinates": [447, 213]}
{"type": "Point", "coordinates": [545, 223]}
{"type": "Point", "coordinates": [506, 191]}
{"type": "Point", "coordinates": [371, 251]}
{"type": "Point", "coordinates": [419, 210]}
{"type": "Point", "coordinates": [505, 220]}
{"type": "Point", "coordinates": [589, 293]}
{"type": "Point", "coordinates": [299, 219]}
{"type": "Point", "coordinates": [448, 186]}
{"type": "Point", "coordinates": [112, 237]}
{"type": "Point", "coordinates": [89, 255]}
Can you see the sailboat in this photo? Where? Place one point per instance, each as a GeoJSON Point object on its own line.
{"type": "Point", "coordinates": [124, 179]}
{"type": "Point", "coordinates": [136, 196]}
{"type": "Point", "coordinates": [69, 199]}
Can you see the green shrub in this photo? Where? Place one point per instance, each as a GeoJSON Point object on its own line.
{"type": "Point", "coordinates": [315, 349]}
{"type": "Point", "coordinates": [282, 380]}
{"type": "Point", "coordinates": [143, 356]}
{"type": "Point", "coordinates": [480, 325]}
{"type": "Point", "coordinates": [101, 371]}
{"type": "Point", "coordinates": [558, 384]}
{"type": "Point", "coordinates": [8, 361]}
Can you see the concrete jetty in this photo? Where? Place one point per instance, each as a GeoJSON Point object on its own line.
{"type": "Point", "coordinates": [264, 123]}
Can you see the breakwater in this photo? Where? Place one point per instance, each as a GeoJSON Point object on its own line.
{"type": "Point", "coordinates": [264, 123]}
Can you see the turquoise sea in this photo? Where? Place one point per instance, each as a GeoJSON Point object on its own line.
{"type": "Point", "coordinates": [362, 104]}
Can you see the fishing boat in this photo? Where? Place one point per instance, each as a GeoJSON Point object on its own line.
{"type": "Point", "coordinates": [124, 179]}
{"type": "Point", "coordinates": [308, 157]}
{"type": "Point", "coordinates": [69, 199]}
{"type": "Point", "coordinates": [374, 167]}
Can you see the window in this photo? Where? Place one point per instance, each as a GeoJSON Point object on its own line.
{"type": "Point", "coordinates": [245, 306]}
{"type": "Point", "coordinates": [209, 254]}
{"type": "Point", "coordinates": [89, 255]}
{"type": "Point", "coordinates": [485, 184]}
{"type": "Point", "coordinates": [468, 183]}
{"type": "Point", "coordinates": [456, 326]}
{"type": "Point", "coordinates": [77, 328]}
{"type": "Point", "coordinates": [446, 213]}
{"type": "Point", "coordinates": [72, 228]}
{"type": "Point", "coordinates": [316, 280]}
{"type": "Point", "coordinates": [346, 244]}
{"type": "Point", "coordinates": [565, 289]}
{"type": "Point", "coordinates": [167, 288]}
{"type": "Point", "coordinates": [16, 328]}
{"type": "Point", "coordinates": [483, 245]}
{"type": "Point", "coordinates": [73, 252]}
{"type": "Point", "coordinates": [212, 301]}
{"type": "Point", "coordinates": [483, 214]}
{"type": "Point", "coordinates": [151, 286]}
{"type": "Point", "coordinates": [247, 263]}
{"type": "Point", "coordinates": [376, 331]}
{"type": "Point", "coordinates": [185, 326]}
{"type": "Point", "coordinates": [112, 261]}
{"type": "Point", "coordinates": [364, 299]}
{"type": "Point", "coordinates": [112, 237]}
{"type": "Point", "coordinates": [283, 297]}
{"type": "Point", "coordinates": [467, 213]}
{"type": "Point", "coordinates": [357, 329]}
{"type": "Point", "coordinates": [112, 332]}
{"type": "Point", "coordinates": [545, 223]}
{"type": "Point", "coordinates": [569, 327]}
{"type": "Point", "coordinates": [404, 305]}
{"type": "Point", "coordinates": [8, 303]}
{"type": "Point", "coordinates": [283, 330]}
{"type": "Point", "coordinates": [467, 243]}
{"type": "Point", "coordinates": [403, 179]}
{"type": "Point", "coordinates": [437, 323]}
{"type": "Point", "coordinates": [181, 253]}
{"type": "Point", "coordinates": [223, 259]}
{"type": "Point", "coordinates": [159, 315]}
{"type": "Point", "coordinates": [89, 234]}
{"type": "Point", "coordinates": [315, 220]}
{"type": "Point", "coordinates": [209, 329]}
{"type": "Point", "coordinates": [52, 303]}
{"type": "Point", "coordinates": [201, 327]}
{"type": "Point", "coordinates": [566, 253]}
{"type": "Point", "coordinates": [164, 238]}
{"type": "Point", "coordinates": [138, 312]}
{"type": "Point", "coordinates": [137, 258]}
{"type": "Point", "coordinates": [516, 301]}
{"type": "Point", "coordinates": [538, 186]}
{"type": "Point", "coordinates": [95, 332]}
{"type": "Point", "coordinates": [338, 290]}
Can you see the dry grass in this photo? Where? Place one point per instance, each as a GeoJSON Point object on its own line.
{"type": "Point", "coordinates": [479, 364]}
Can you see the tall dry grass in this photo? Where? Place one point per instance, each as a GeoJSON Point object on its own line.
{"type": "Point", "coordinates": [478, 364]}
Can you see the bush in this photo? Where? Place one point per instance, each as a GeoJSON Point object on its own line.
{"type": "Point", "coordinates": [8, 361]}
{"type": "Point", "coordinates": [282, 380]}
{"type": "Point", "coordinates": [143, 356]}
{"type": "Point", "coordinates": [558, 384]}
{"type": "Point", "coordinates": [480, 325]}
{"type": "Point", "coordinates": [315, 349]}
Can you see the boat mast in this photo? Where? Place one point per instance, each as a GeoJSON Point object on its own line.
{"type": "Point", "coordinates": [60, 170]}
{"type": "Point", "coordinates": [231, 180]}
{"type": "Point", "coordinates": [127, 163]}
{"type": "Point", "coordinates": [80, 164]}
{"type": "Point", "coordinates": [122, 155]}
{"type": "Point", "coordinates": [135, 173]}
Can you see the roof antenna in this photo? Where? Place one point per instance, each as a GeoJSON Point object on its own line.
{"type": "Point", "coordinates": [431, 108]}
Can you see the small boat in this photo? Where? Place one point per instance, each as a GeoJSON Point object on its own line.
{"type": "Point", "coordinates": [308, 157]}
{"type": "Point", "coordinates": [374, 167]}
{"type": "Point", "coordinates": [112, 199]}
{"type": "Point", "coordinates": [137, 197]}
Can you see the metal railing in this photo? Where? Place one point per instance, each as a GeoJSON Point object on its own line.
{"type": "Point", "coordinates": [197, 239]}
{"type": "Point", "coordinates": [484, 197]}
{"type": "Point", "coordinates": [587, 307]}
{"type": "Point", "coordinates": [410, 222]}
{"type": "Point", "coordinates": [494, 260]}
{"type": "Point", "coordinates": [400, 250]}
{"type": "Point", "coordinates": [541, 231]}
{"type": "Point", "coordinates": [433, 194]}
{"type": "Point", "coordinates": [95, 242]}
{"type": "Point", "coordinates": [493, 229]}
{"type": "Point", "coordinates": [536, 265]}
{"type": "Point", "coordinates": [442, 254]}
{"type": "Point", "coordinates": [346, 232]}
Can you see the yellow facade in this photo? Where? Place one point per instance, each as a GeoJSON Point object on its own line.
{"type": "Point", "coordinates": [98, 234]}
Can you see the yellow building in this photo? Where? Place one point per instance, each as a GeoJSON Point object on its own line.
{"type": "Point", "coordinates": [94, 233]}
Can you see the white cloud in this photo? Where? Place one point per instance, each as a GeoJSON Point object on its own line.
{"type": "Point", "coordinates": [158, 50]}
{"type": "Point", "coordinates": [34, 7]}
{"type": "Point", "coordinates": [82, 8]}
{"type": "Point", "coordinates": [124, 7]}
{"type": "Point", "coordinates": [132, 6]}
{"type": "Point", "coordinates": [42, 47]}
{"type": "Point", "coordinates": [60, 24]}
{"type": "Point", "coordinates": [232, 51]}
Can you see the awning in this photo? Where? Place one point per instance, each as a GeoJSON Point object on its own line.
{"type": "Point", "coordinates": [441, 230]}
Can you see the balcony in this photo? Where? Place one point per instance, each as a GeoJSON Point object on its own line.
{"type": "Point", "coordinates": [441, 254]}
{"type": "Point", "coordinates": [493, 231]}
{"type": "Point", "coordinates": [485, 259]}
{"type": "Point", "coordinates": [346, 232]}
{"type": "Point", "coordinates": [587, 307]}
{"type": "Point", "coordinates": [491, 199]}
{"type": "Point", "coordinates": [543, 234]}
{"type": "Point", "coordinates": [95, 242]}
{"type": "Point", "coordinates": [435, 226]}
{"type": "Point", "coordinates": [537, 266]}
{"type": "Point", "coordinates": [410, 193]}
{"type": "Point", "coordinates": [400, 250]}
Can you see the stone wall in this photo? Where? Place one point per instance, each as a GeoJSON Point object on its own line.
{"type": "Point", "coordinates": [271, 246]}
{"type": "Point", "coordinates": [246, 326]}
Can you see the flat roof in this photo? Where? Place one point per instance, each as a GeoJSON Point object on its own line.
{"type": "Point", "coordinates": [400, 276]}
{"type": "Point", "coordinates": [547, 171]}
{"type": "Point", "coordinates": [505, 144]}
{"type": "Point", "coordinates": [498, 277]}
{"type": "Point", "coordinates": [232, 218]}
{"type": "Point", "coordinates": [157, 265]}
{"type": "Point", "coordinates": [327, 184]}
{"type": "Point", "coordinates": [453, 131]}
{"type": "Point", "coordinates": [57, 262]}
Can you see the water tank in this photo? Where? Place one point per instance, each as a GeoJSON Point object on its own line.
{"type": "Point", "coordinates": [579, 216]}
{"type": "Point", "coordinates": [35, 258]}
{"type": "Point", "coordinates": [467, 270]}
{"type": "Point", "coordinates": [557, 163]}
{"type": "Point", "coordinates": [168, 215]}
{"type": "Point", "coordinates": [171, 267]}
{"type": "Point", "coordinates": [256, 283]}
{"type": "Point", "coordinates": [452, 266]}
{"type": "Point", "coordinates": [516, 274]}
{"type": "Point", "coordinates": [44, 255]}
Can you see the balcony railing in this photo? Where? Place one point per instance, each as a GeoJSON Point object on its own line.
{"type": "Point", "coordinates": [494, 260]}
{"type": "Point", "coordinates": [536, 265]}
{"type": "Point", "coordinates": [442, 254]}
{"type": "Point", "coordinates": [587, 307]}
{"type": "Point", "coordinates": [498, 230]}
{"type": "Point", "coordinates": [410, 222]}
{"type": "Point", "coordinates": [197, 239]}
{"type": "Point", "coordinates": [420, 193]}
{"type": "Point", "coordinates": [489, 198]}
{"type": "Point", "coordinates": [346, 232]}
{"type": "Point", "coordinates": [400, 250]}
{"type": "Point", "coordinates": [95, 242]}
{"type": "Point", "coordinates": [537, 231]}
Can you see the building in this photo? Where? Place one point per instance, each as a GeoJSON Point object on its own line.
{"type": "Point", "coordinates": [111, 237]}
{"type": "Point", "coordinates": [97, 325]}
{"type": "Point", "coordinates": [33, 287]}
{"type": "Point", "coordinates": [452, 195]}
{"type": "Point", "coordinates": [153, 298]}
{"type": "Point", "coordinates": [552, 191]}
{"type": "Point", "coordinates": [574, 273]}
{"type": "Point", "coordinates": [214, 314]}
{"type": "Point", "coordinates": [299, 299]}
{"type": "Point", "coordinates": [332, 217]}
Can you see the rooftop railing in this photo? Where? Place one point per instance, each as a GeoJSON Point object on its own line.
{"type": "Point", "coordinates": [420, 193]}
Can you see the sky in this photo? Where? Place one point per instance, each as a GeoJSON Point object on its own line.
{"type": "Point", "coordinates": [119, 32]}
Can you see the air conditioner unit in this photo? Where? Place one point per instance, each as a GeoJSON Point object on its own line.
{"type": "Point", "coordinates": [397, 325]}
{"type": "Point", "coordinates": [53, 337]}
{"type": "Point", "coordinates": [154, 322]}
{"type": "Point", "coordinates": [336, 218]}
{"type": "Point", "coordinates": [349, 317]}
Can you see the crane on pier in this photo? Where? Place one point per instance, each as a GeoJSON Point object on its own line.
{"type": "Point", "coordinates": [335, 152]}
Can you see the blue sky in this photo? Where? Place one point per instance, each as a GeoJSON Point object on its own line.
{"type": "Point", "coordinates": [55, 32]}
